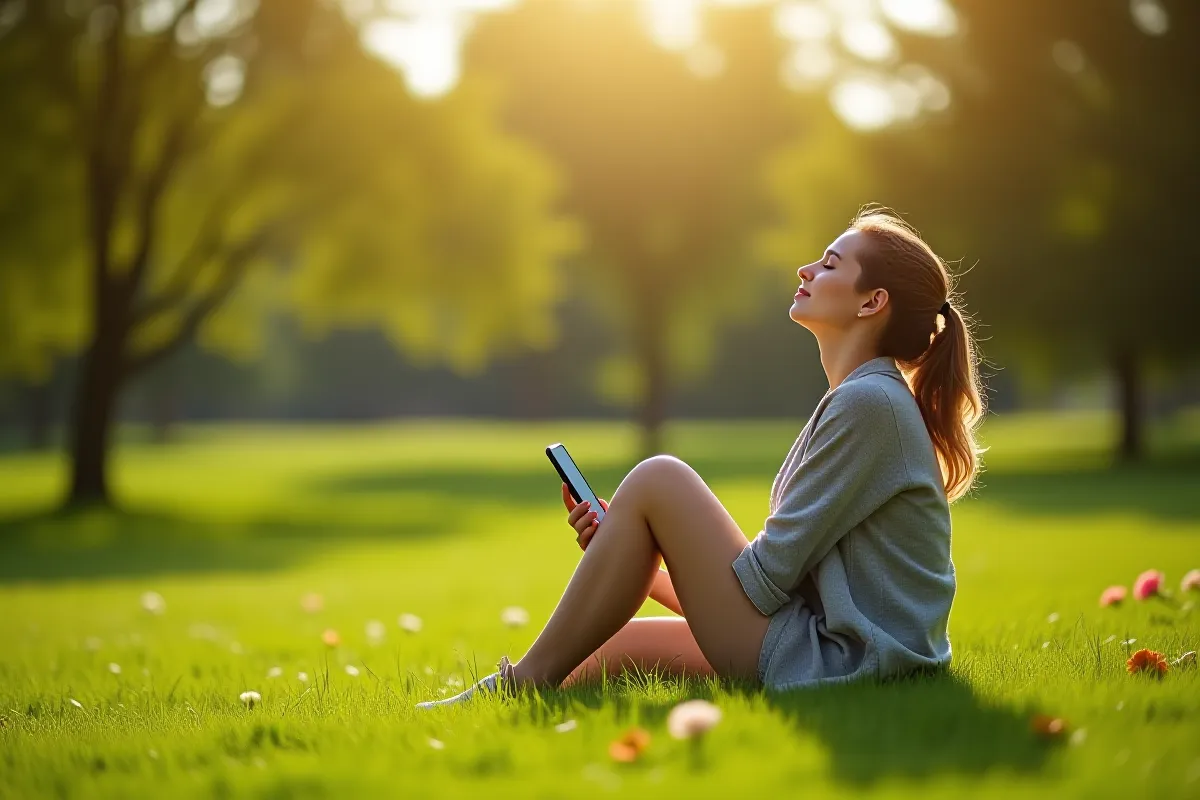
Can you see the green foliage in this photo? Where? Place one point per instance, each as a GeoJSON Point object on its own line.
{"type": "Point", "coordinates": [233, 525]}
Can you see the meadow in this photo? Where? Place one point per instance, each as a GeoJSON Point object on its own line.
{"type": "Point", "coordinates": [128, 637]}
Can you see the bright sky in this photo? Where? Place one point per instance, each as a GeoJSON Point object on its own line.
{"type": "Point", "coordinates": [842, 47]}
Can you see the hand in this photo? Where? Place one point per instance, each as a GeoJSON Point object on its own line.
{"type": "Point", "coordinates": [581, 517]}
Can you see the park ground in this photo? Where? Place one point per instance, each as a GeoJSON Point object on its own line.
{"type": "Point", "coordinates": [232, 527]}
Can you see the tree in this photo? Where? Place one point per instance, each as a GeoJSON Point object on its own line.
{"type": "Point", "coordinates": [192, 162]}
{"type": "Point", "coordinates": [660, 149]}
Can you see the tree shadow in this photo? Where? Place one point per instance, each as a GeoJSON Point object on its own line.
{"type": "Point", "coordinates": [98, 543]}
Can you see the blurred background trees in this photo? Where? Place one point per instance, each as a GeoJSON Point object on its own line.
{"type": "Point", "coordinates": [559, 207]}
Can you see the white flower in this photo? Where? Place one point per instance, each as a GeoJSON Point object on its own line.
{"type": "Point", "coordinates": [76, 703]}
{"type": "Point", "coordinates": [692, 718]}
{"type": "Point", "coordinates": [352, 670]}
{"type": "Point", "coordinates": [514, 616]}
{"type": "Point", "coordinates": [1053, 618]}
{"type": "Point", "coordinates": [409, 622]}
{"type": "Point", "coordinates": [274, 672]}
{"type": "Point", "coordinates": [153, 603]}
{"type": "Point", "coordinates": [563, 727]}
{"type": "Point", "coordinates": [92, 643]}
{"type": "Point", "coordinates": [114, 668]}
{"type": "Point", "coordinates": [376, 630]}
{"type": "Point", "coordinates": [250, 698]}
{"type": "Point", "coordinates": [437, 744]}
{"type": "Point", "coordinates": [302, 677]}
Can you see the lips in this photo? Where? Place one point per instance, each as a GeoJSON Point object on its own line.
{"type": "Point", "coordinates": [803, 293]}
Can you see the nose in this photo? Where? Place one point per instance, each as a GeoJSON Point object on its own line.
{"type": "Point", "coordinates": [804, 274]}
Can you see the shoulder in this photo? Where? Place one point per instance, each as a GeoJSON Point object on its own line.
{"type": "Point", "coordinates": [867, 397]}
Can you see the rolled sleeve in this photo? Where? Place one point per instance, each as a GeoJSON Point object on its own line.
{"type": "Point", "coordinates": [766, 596]}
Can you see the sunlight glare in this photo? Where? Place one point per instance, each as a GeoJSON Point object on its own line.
{"type": "Point", "coordinates": [800, 20]}
{"type": "Point", "coordinates": [930, 17]}
{"type": "Point", "coordinates": [864, 103]}
{"type": "Point", "coordinates": [1150, 17]}
{"type": "Point", "coordinates": [808, 65]}
{"type": "Point", "coordinates": [705, 60]}
{"type": "Point", "coordinates": [1068, 56]}
{"type": "Point", "coordinates": [224, 78]}
{"type": "Point", "coordinates": [426, 49]}
{"type": "Point", "coordinates": [673, 24]}
{"type": "Point", "coordinates": [868, 39]}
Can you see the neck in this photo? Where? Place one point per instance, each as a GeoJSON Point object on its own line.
{"type": "Point", "coordinates": [844, 352]}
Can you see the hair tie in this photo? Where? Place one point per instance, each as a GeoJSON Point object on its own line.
{"type": "Point", "coordinates": [945, 310]}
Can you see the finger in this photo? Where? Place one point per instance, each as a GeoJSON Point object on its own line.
{"type": "Point", "coordinates": [603, 503]}
{"type": "Point", "coordinates": [577, 513]}
{"type": "Point", "coordinates": [568, 501]}
{"type": "Point", "coordinates": [585, 522]}
{"type": "Point", "coordinates": [585, 538]}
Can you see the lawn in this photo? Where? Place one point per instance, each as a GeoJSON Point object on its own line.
{"type": "Point", "coordinates": [454, 521]}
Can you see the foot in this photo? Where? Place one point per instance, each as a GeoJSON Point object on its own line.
{"type": "Point", "coordinates": [499, 681]}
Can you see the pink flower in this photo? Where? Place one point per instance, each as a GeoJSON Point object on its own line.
{"type": "Point", "coordinates": [1191, 581]}
{"type": "Point", "coordinates": [1113, 595]}
{"type": "Point", "coordinates": [1147, 584]}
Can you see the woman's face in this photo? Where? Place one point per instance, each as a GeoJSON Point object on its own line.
{"type": "Point", "coordinates": [827, 297]}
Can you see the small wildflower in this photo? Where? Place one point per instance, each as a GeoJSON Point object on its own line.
{"type": "Point", "coordinates": [1079, 737]}
{"type": "Point", "coordinates": [312, 603]}
{"type": "Point", "coordinates": [330, 638]}
{"type": "Point", "coordinates": [153, 603]}
{"type": "Point", "coordinates": [514, 616]}
{"type": "Point", "coordinates": [1147, 661]}
{"type": "Point", "coordinates": [76, 703]}
{"type": "Point", "coordinates": [250, 698]}
{"type": "Point", "coordinates": [275, 672]}
{"type": "Point", "coordinates": [1113, 596]}
{"type": "Point", "coordinates": [1053, 618]}
{"type": "Point", "coordinates": [410, 623]}
{"type": "Point", "coordinates": [352, 670]}
{"type": "Point", "coordinates": [1127, 642]}
{"type": "Point", "coordinates": [302, 677]}
{"type": "Point", "coordinates": [630, 746]}
{"type": "Point", "coordinates": [565, 726]}
{"type": "Point", "coordinates": [376, 631]}
{"type": "Point", "coordinates": [1148, 584]}
{"type": "Point", "coordinates": [1048, 726]}
{"type": "Point", "coordinates": [1191, 581]}
{"type": "Point", "coordinates": [437, 744]}
{"type": "Point", "coordinates": [692, 718]}
{"type": "Point", "coordinates": [114, 668]}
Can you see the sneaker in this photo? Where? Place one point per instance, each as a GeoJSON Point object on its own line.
{"type": "Point", "coordinates": [491, 684]}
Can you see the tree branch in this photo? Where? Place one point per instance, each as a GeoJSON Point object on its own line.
{"type": "Point", "coordinates": [232, 271]}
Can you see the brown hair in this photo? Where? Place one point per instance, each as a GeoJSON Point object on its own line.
{"type": "Point", "coordinates": [940, 366]}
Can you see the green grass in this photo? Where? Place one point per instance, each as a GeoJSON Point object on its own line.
{"type": "Point", "coordinates": [454, 521]}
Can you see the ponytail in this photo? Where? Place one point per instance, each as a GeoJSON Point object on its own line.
{"type": "Point", "coordinates": [945, 382]}
{"type": "Point", "coordinates": [940, 366]}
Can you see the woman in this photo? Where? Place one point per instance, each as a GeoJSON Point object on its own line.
{"type": "Point", "coordinates": [851, 574]}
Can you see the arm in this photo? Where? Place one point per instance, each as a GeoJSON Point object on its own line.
{"type": "Point", "coordinates": [853, 464]}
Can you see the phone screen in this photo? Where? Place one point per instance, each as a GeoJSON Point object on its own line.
{"type": "Point", "coordinates": [574, 479]}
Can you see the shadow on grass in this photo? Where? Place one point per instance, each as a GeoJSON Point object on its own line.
{"type": "Point", "coordinates": [113, 544]}
{"type": "Point", "coordinates": [912, 728]}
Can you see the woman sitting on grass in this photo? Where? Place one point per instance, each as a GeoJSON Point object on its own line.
{"type": "Point", "coordinates": [851, 575]}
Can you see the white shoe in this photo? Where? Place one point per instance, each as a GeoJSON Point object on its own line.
{"type": "Point", "coordinates": [489, 684]}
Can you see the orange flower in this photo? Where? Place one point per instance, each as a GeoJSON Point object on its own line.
{"type": "Point", "coordinates": [1147, 661]}
{"type": "Point", "coordinates": [330, 638]}
{"type": "Point", "coordinates": [1048, 726]}
{"type": "Point", "coordinates": [629, 746]}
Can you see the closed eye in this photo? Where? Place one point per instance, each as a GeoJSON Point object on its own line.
{"type": "Point", "coordinates": [827, 266]}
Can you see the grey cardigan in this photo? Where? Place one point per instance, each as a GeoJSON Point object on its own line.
{"type": "Point", "coordinates": [853, 563]}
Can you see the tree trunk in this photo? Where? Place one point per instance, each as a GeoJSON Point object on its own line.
{"type": "Point", "coordinates": [1129, 397]}
{"type": "Point", "coordinates": [652, 356]}
{"type": "Point", "coordinates": [95, 403]}
{"type": "Point", "coordinates": [38, 419]}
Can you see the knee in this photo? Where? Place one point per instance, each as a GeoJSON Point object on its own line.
{"type": "Point", "coordinates": [656, 470]}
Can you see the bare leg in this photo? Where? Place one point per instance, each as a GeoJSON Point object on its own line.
{"type": "Point", "coordinates": [661, 509]}
{"type": "Point", "coordinates": [646, 644]}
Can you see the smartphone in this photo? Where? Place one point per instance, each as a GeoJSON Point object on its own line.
{"type": "Point", "coordinates": [573, 478]}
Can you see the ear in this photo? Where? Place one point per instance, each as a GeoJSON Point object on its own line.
{"type": "Point", "coordinates": [875, 303]}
